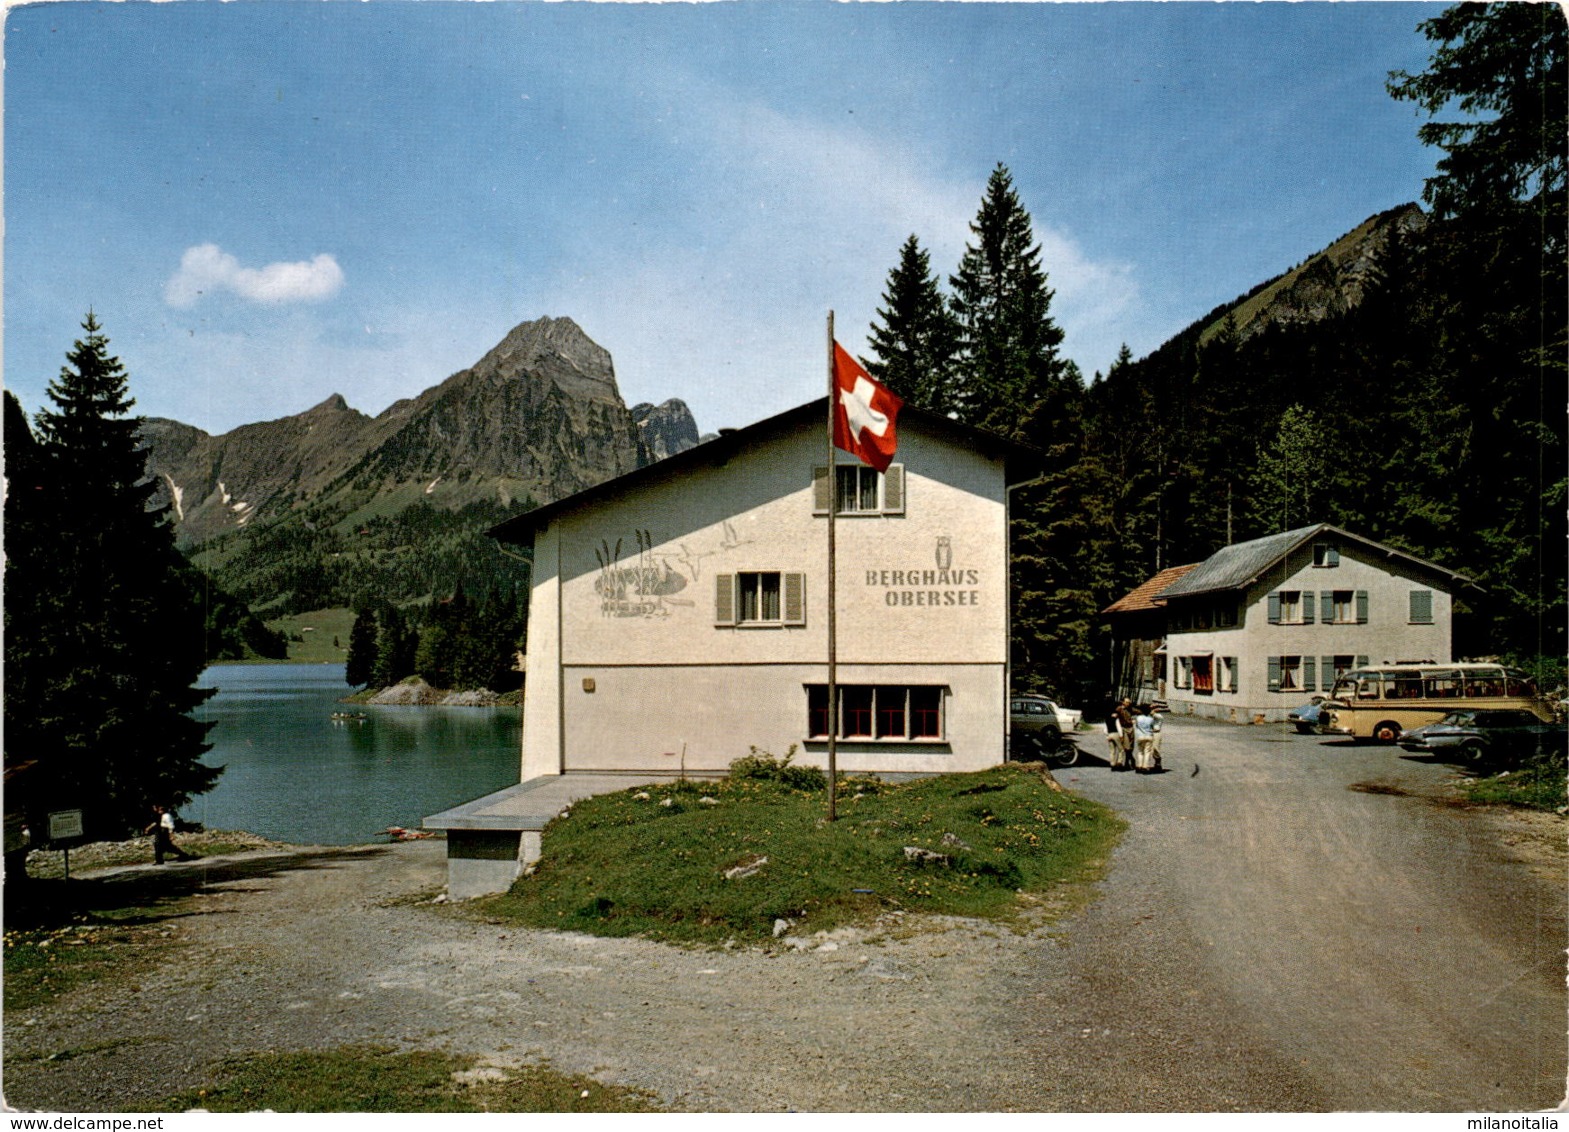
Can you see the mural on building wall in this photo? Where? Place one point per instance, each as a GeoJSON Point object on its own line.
{"type": "Point", "coordinates": [692, 560]}
{"type": "Point", "coordinates": [646, 588]}
{"type": "Point", "coordinates": [649, 587]}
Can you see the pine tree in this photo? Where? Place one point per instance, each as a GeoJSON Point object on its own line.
{"type": "Point", "coordinates": [1505, 67]}
{"type": "Point", "coordinates": [1498, 249]}
{"type": "Point", "coordinates": [917, 340]}
{"type": "Point", "coordinates": [104, 640]}
{"type": "Point", "coordinates": [361, 661]}
{"type": "Point", "coordinates": [394, 648]}
{"type": "Point", "coordinates": [1009, 373]}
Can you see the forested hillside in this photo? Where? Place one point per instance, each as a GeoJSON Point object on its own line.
{"type": "Point", "coordinates": [1408, 384]}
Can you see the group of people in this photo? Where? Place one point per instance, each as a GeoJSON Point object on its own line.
{"type": "Point", "coordinates": [1133, 738]}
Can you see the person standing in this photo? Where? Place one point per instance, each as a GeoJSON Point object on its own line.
{"type": "Point", "coordinates": [162, 829]}
{"type": "Point", "coordinates": [1145, 727]}
{"type": "Point", "coordinates": [1124, 720]}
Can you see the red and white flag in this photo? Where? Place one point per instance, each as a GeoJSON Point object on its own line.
{"type": "Point", "coordinates": [864, 414]}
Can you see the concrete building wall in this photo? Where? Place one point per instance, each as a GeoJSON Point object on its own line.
{"type": "Point", "coordinates": [1388, 634]}
{"type": "Point", "coordinates": [542, 678]}
{"type": "Point", "coordinates": [628, 585]}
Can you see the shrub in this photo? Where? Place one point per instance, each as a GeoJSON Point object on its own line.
{"type": "Point", "coordinates": [764, 766]}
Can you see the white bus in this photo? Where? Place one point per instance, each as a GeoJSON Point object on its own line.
{"type": "Point", "coordinates": [1380, 701]}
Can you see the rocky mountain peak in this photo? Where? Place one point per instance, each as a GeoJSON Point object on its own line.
{"type": "Point", "coordinates": [333, 404]}
{"type": "Point", "coordinates": [557, 349]}
{"type": "Point", "coordinates": [1328, 283]}
{"type": "Point", "coordinates": [665, 429]}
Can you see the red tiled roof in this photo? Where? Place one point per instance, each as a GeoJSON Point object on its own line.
{"type": "Point", "coordinates": [1142, 598]}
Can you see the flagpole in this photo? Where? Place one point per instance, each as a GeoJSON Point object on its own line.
{"type": "Point", "coordinates": [833, 660]}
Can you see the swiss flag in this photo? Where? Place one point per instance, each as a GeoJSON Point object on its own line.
{"type": "Point", "coordinates": [864, 412]}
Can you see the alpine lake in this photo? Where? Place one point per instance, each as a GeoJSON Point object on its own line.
{"type": "Point", "coordinates": [295, 770]}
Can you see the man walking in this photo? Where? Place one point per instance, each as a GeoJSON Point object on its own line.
{"type": "Point", "coordinates": [162, 829]}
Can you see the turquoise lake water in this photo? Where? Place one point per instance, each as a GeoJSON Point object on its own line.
{"type": "Point", "coordinates": [295, 774]}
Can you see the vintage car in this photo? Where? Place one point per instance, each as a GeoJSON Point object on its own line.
{"type": "Point", "coordinates": [1483, 735]}
{"type": "Point", "coordinates": [1306, 718]}
{"type": "Point", "coordinates": [1037, 731]}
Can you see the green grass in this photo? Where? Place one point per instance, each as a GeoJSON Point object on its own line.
{"type": "Point", "coordinates": [623, 864]}
{"type": "Point", "coordinates": [41, 964]}
{"type": "Point", "coordinates": [317, 631]}
{"type": "Point", "coordinates": [377, 1079]}
{"type": "Point", "coordinates": [1535, 786]}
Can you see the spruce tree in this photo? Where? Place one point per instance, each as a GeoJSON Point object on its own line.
{"type": "Point", "coordinates": [104, 632]}
{"type": "Point", "coordinates": [1009, 372]}
{"type": "Point", "coordinates": [361, 660]}
{"type": "Point", "coordinates": [917, 339]}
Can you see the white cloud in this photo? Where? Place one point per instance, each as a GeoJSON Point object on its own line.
{"type": "Point", "coordinates": [207, 268]}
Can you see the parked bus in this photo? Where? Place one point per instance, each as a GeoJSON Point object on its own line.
{"type": "Point", "coordinates": [1379, 702]}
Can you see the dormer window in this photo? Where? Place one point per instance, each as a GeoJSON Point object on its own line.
{"type": "Point", "coordinates": [1326, 554]}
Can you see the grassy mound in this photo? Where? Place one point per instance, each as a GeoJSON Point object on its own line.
{"type": "Point", "coordinates": [710, 861]}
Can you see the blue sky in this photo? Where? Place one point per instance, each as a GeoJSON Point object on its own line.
{"type": "Point", "coordinates": [269, 202]}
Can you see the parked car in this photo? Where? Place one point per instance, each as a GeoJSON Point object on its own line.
{"type": "Point", "coordinates": [1067, 718]}
{"type": "Point", "coordinates": [1306, 718]}
{"type": "Point", "coordinates": [1445, 734]}
{"type": "Point", "coordinates": [1037, 731]}
{"type": "Point", "coordinates": [1485, 736]}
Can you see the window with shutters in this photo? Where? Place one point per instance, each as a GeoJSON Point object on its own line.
{"type": "Point", "coordinates": [760, 599]}
{"type": "Point", "coordinates": [1342, 607]}
{"type": "Point", "coordinates": [901, 712]}
{"type": "Point", "coordinates": [859, 490]}
{"type": "Point", "coordinates": [1285, 674]}
{"type": "Point", "coordinates": [1421, 607]}
{"type": "Point", "coordinates": [1334, 667]}
{"type": "Point", "coordinates": [1291, 607]}
{"type": "Point", "coordinates": [1326, 554]}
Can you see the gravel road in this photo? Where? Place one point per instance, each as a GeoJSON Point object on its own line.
{"type": "Point", "coordinates": [1300, 926]}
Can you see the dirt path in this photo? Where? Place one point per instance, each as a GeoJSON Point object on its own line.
{"type": "Point", "coordinates": [1267, 939]}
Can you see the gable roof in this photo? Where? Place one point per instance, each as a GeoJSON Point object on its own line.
{"type": "Point", "coordinates": [1243, 563]}
{"type": "Point", "coordinates": [1021, 461]}
{"type": "Point", "coordinates": [1143, 598]}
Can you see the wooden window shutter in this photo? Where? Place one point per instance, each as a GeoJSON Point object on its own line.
{"type": "Point", "coordinates": [1274, 608]}
{"type": "Point", "coordinates": [1307, 607]}
{"type": "Point", "coordinates": [794, 599]}
{"type": "Point", "coordinates": [893, 490]}
{"type": "Point", "coordinates": [1274, 674]}
{"type": "Point", "coordinates": [1361, 607]}
{"type": "Point", "coordinates": [1421, 607]}
{"type": "Point", "coordinates": [724, 599]}
{"type": "Point", "coordinates": [1231, 674]}
{"type": "Point", "coordinates": [1362, 662]}
{"type": "Point", "coordinates": [1310, 674]}
{"type": "Point", "coordinates": [822, 490]}
{"type": "Point", "coordinates": [1327, 665]}
{"type": "Point", "coordinates": [1326, 606]}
